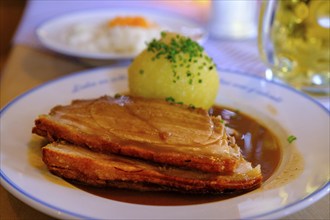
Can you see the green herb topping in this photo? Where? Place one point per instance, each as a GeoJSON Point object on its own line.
{"type": "Point", "coordinates": [191, 106]}
{"type": "Point", "coordinates": [170, 99]}
{"type": "Point", "coordinates": [117, 95]}
{"type": "Point", "coordinates": [291, 138]}
{"type": "Point", "coordinates": [181, 52]}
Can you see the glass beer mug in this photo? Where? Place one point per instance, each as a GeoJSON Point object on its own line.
{"type": "Point", "coordinates": [294, 41]}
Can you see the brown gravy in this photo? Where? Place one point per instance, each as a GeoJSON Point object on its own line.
{"type": "Point", "coordinates": [258, 145]}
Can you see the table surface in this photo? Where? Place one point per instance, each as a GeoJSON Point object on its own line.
{"type": "Point", "coordinates": [29, 66]}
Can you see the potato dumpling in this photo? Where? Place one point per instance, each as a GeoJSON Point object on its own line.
{"type": "Point", "coordinates": [177, 69]}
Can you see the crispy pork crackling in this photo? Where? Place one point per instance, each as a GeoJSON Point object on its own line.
{"type": "Point", "coordinates": [97, 169]}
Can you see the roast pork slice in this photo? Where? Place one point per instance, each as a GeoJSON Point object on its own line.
{"type": "Point", "coordinates": [149, 129]}
{"type": "Point", "coordinates": [87, 167]}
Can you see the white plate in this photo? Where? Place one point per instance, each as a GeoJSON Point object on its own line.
{"type": "Point", "coordinates": [51, 32]}
{"type": "Point", "coordinates": [280, 108]}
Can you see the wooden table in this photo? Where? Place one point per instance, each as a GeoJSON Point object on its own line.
{"type": "Point", "coordinates": [28, 67]}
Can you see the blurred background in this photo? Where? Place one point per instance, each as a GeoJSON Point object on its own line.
{"type": "Point", "coordinates": [11, 12]}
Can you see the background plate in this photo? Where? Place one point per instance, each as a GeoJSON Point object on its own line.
{"type": "Point", "coordinates": [50, 33]}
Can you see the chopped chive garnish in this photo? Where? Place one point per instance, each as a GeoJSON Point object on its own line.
{"type": "Point", "coordinates": [180, 51]}
{"type": "Point", "coordinates": [117, 95]}
{"type": "Point", "coordinates": [191, 106]}
{"type": "Point", "coordinates": [163, 34]}
{"type": "Point", "coordinates": [291, 138]}
{"type": "Point", "coordinates": [169, 99]}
